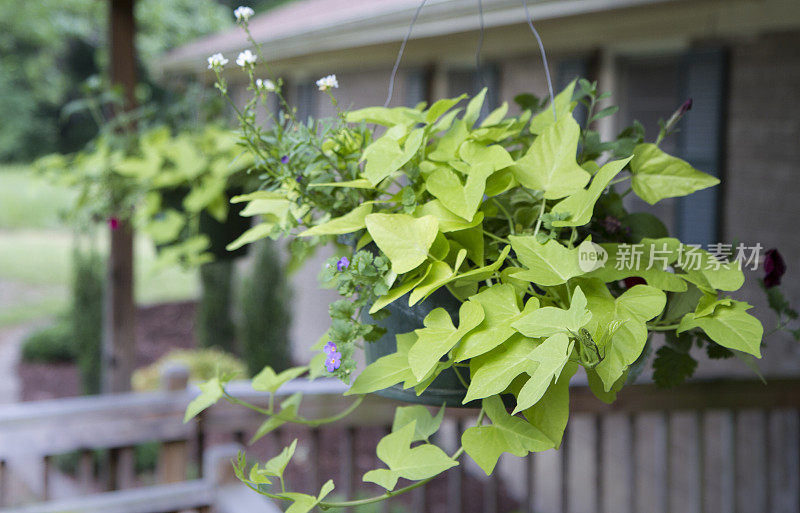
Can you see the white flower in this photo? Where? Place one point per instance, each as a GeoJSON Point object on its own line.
{"type": "Point", "coordinates": [243, 13]}
{"type": "Point", "coordinates": [246, 58]}
{"type": "Point", "coordinates": [217, 60]}
{"type": "Point", "coordinates": [265, 85]}
{"type": "Point", "coordinates": [328, 82]}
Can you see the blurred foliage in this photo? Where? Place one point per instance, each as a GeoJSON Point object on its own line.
{"type": "Point", "coordinates": [266, 312]}
{"type": "Point", "coordinates": [49, 47]}
{"type": "Point", "coordinates": [53, 344]}
{"type": "Point", "coordinates": [203, 364]}
{"type": "Point", "coordinates": [213, 323]}
{"type": "Point", "coordinates": [88, 287]}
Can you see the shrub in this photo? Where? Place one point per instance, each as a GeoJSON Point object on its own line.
{"type": "Point", "coordinates": [214, 326]}
{"type": "Point", "coordinates": [53, 344]}
{"type": "Point", "coordinates": [266, 314]}
{"type": "Point", "coordinates": [203, 364]}
{"type": "Point", "coordinates": [86, 316]}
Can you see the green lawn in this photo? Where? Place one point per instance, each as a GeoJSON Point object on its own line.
{"type": "Point", "coordinates": [36, 248]}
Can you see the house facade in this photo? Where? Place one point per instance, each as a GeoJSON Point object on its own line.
{"type": "Point", "coordinates": [739, 60]}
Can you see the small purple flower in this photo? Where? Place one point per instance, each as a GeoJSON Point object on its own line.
{"type": "Point", "coordinates": [298, 179]}
{"type": "Point", "coordinates": [113, 223]}
{"type": "Point", "coordinates": [774, 267]}
{"type": "Point", "coordinates": [333, 361]}
{"type": "Point", "coordinates": [330, 347]}
{"type": "Point", "coordinates": [342, 264]}
{"type": "Point", "coordinates": [285, 159]}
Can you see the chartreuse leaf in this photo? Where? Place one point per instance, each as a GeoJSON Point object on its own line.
{"type": "Point", "coordinates": [258, 195]}
{"type": "Point", "coordinates": [440, 107]}
{"type": "Point", "coordinates": [449, 143]}
{"type": "Point", "coordinates": [387, 370]}
{"type": "Point", "coordinates": [439, 336]}
{"type": "Point", "coordinates": [461, 199]}
{"type": "Point", "coordinates": [426, 424]}
{"type": "Point", "coordinates": [385, 116]}
{"type": "Point", "coordinates": [289, 408]}
{"type": "Point", "coordinates": [626, 317]}
{"type": "Point", "coordinates": [277, 465]}
{"type": "Point", "coordinates": [401, 290]}
{"type": "Point", "coordinates": [580, 205]}
{"type": "Point", "coordinates": [550, 357]}
{"type": "Point", "coordinates": [269, 381]}
{"type": "Point", "coordinates": [648, 259]}
{"type": "Point", "coordinates": [270, 209]}
{"type": "Point", "coordinates": [550, 165]}
{"type": "Point", "coordinates": [439, 275]}
{"type": "Point", "coordinates": [304, 503]}
{"type": "Point", "coordinates": [385, 156]}
{"type": "Point", "coordinates": [564, 108]}
{"type": "Point", "coordinates": [405, 240]}
{"type": "Point", "coordinates": [507, 433]}
{"type": "Point", "coordinates": [550, 414]}
{"type": "Point", "coordinates": [499, 303]}
{"type": "Point", "coordinates": [448, 221]}
{"type": "Point", "coordinates": [210, 392]}
{"type": "Point", "coordinates": [493, 155]}
{"type": "Point", "coordinates": [474, 107]}
{"type": "Point", "coordinates": [550, 320]}
{"type": "Point", "coordinates": [496, 116]}
{"type": "Point", "coordinates": [359, 183]}
{"type": "Point", "coordinates": [729, 326]}
{"type": "Point", "coordinates": [257, 232]}
{"type": "Point", "coordinates": [166, 228]}
{"type": "Point", "coordinates": [658, 175]}
{"type": "Point", "coordinates": [708, 273]}
{"type": "Point", "coordinates": [547, 264]}
{"type": "Point", "coordinates": [348, 223]}
{"type": "Point", "coordinates": [598, 388]}
{"type": "Point", "coordinates": [415, 464]}
{"type": "Point", "coordinates": [482, 273]}
{"type": "Point", "coordinates": [495, 370]}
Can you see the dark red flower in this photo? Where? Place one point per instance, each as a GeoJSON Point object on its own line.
{"type": "Point", "coordinates": [632, 281]}
{"type": "Point", "coordinates": [113, 223]}
{"type": "Point", "coordinates": [774, 268]}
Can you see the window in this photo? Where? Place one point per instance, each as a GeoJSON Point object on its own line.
{"type": "Point", "coordinates": [418, 87]}
{"type": "Point", "coordinates": [305, 100]}
{"type": "Point", "coordinates": [471, 82]}
{"type": "Point", "coordinates": [653, 88]}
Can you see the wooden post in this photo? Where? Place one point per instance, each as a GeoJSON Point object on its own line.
{"type": "Point", "coordinates": [173, 457]}
{"type": "Point", "coordinates": [119, 346]}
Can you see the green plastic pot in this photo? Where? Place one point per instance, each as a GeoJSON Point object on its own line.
{"type": "Point", "coordinates": [446, 389]}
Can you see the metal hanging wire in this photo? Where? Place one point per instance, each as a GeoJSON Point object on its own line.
{"type": "Point", "coordinates": [528, 18]}
{"type": "Point", "coordinates": [544, 58]}
{"type": "Point", "coordinates": [400, 54]}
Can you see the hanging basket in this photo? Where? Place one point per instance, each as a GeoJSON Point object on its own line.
{"type": "Point", "coordinates": [446, 389]}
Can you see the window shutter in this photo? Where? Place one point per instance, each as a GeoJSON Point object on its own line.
{"type": "Point", "coordinates": [701, 141]}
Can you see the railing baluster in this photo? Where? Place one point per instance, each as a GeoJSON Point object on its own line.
{"type": "Point", "coordinates": [3, 488]}
{"type": "Point", "coordinates": [172, 462]}
{"type": "Point", "coordinates": [734, 416]}
{"type": "Point", "coordinates": [418, 499]}
{"type": "Point", "coordinates": [633, 481]}
{"type": "Point", "coordinates": [767, 461]}
{"type": "Point", "coordinates": [668, 462]}
{"type": "Point", "coordinates": [46, 464]}
{"type": "Point", "coordinates": [313, 452]}
{"type": "Point", "coordinates": [126, 468]}
{"type": "Point", "coordinates": [530, 493]}
{"type": "Point", "coordinates": [455, 476]}
{"type": "Point", "coordinates": [86, 469]}
{"type": "Point", "coordinates": [347, 460]}
{"type": "Point", "coordinates": [599, 491]}
{"type": "Point", "coordinates": [700, 451]}
{"type": "Point", "coordinates": [565, 469]}
{"type": "Point", "coordinates": [490, 494]}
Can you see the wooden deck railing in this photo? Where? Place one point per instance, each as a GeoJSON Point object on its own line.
{"type": "Point", "coordinates": [704, 447]}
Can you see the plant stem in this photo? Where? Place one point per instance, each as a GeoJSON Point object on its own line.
{"type": "Point", "coordinates": [298, 420]}
{"type": "Point", "coordinates": [662, 327]}
{"type": "Point", "coordinates": [539, 219]}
